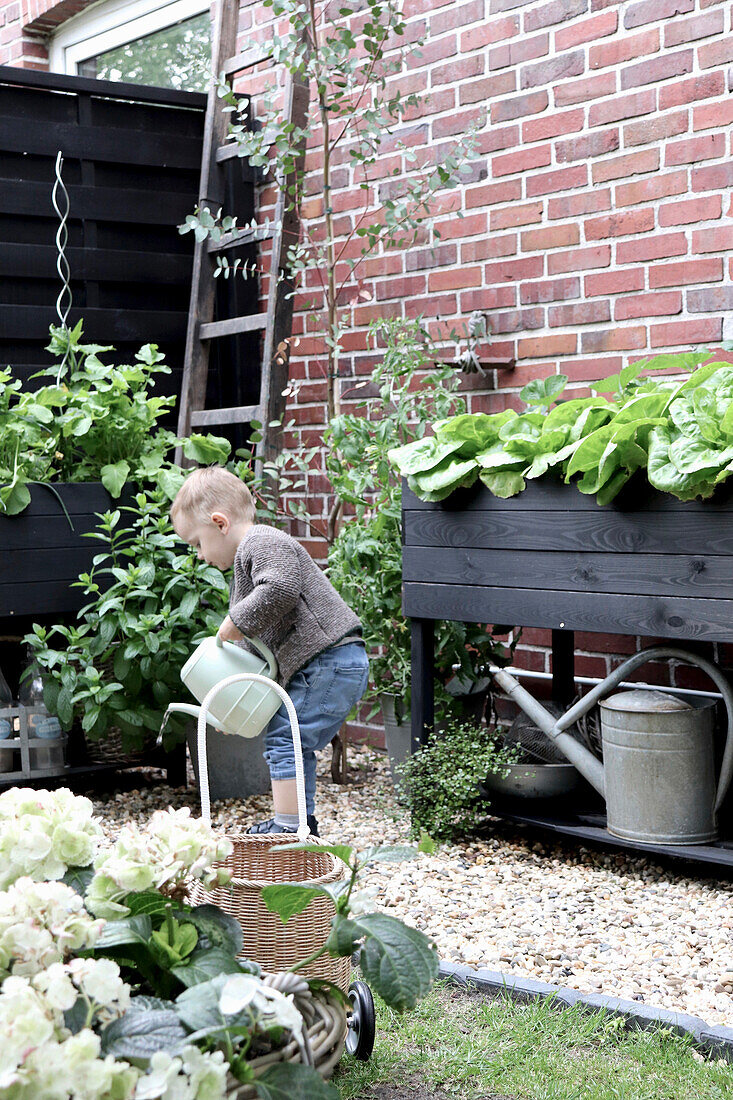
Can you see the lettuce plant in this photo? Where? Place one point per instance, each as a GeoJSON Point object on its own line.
{"type": "Point", "coordinates": [679, 431]}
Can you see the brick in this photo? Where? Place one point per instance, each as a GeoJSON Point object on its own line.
{"type": "Point", "coordinates": [457, 15]}
{"type": "Point", "coordinates": [688, 91]}
{"type": "Point", "coordinates": [690, 211]}
{"type": "Point", "coordinates": [690, 30]}
{"type": "Point", "coordinates": [459, 69]}
{"type": "Point", "coordinates": [619, 225]}
{"type": "Point", "coordinates": [536, 156]}
{"type": "Point", "coordinates": [469, 226]}
{"type": "Point", "coordinates": [657, 187]}
{"type": "Point", "coordinates": [454, 279]}
{"type": "Point", "coordinates": [570, 206]}
{"type": "Point", "coordinates": [580, 313]}
{"type": "Point", "coordinates": [614, 282]}
{"type": "Point", "coordinates": [480, 197]}
{"type": "Point", "coordinates": [531, 104]}
{"type": "Point", "coordinates": [539, 347]}
{"type": "Point", "coordinates": [655, 246]}
{"type": "Point", "coordinates": [552, 290]}
{"type": "Point", "coordinates": [587, 146]}
{"type": "Point", "coordinates": [589, 30]}
{"type": "Point", "coordinates": [514, 53]}
{"type": "Point", "coordinates": [441, 255]}
{"type": "Point", "coordinates": [713, 115]}
{"type": "Point", "coordinates": [651, 11]}
{"type": "Point", "coordinates": [430, 52]}
{"type": "Point", "coordinates": [631, 164]}
{"type": "Point", "coordinates": [495, 31]}
{"type": "Point", "coordinates": [628, 106]}
{"type": "Point", "coordinates": [716, 53]}
{"type": "Point", "coordinates": [525, 214]}
{"type": "Point", "coordinates": [693, 150]}
{"type": "Point", "coordinates": [613, 339]}
{"type": "Point", "coordinates": [495, 138]}
{"type": "Point", "coordinates": [716, 177]}
{"type": "Point", "coordinates": [554, 236]}
{"type": "Point", "coordinates": [651, 130]}
{"type": "Point", "coordinates": [488, 297]}
{"type": "Point", "coordinates": [561, 179]}
{"type": "Point", "coordinates": [504, 5]}
{"type": "Point", "coordinates": [505, 190]}
{"type": "Point", "coordinates": [580, 91]}
{"type": "Point", "coordinates": [478, 91]}
{"type": "Point", "coordinates": [677, 333]}
{"type": "Point", "coordinates": [711, 299]}
{"type": "Point", "coordinates": [555, 68]}
{"type": "Point", "coordinates": [709, 270]}
{"type": "Point", "coordinates": [557, 11]}
{"type": "Point", "coordinates": [489, 248]}
{"type": "Point", "coordinates": [656, 69]}
{"type": "Point", "coordinates": [579, 259]}
{"type": "Point", "coordinates": [401, 288]}
{"type": "Point", "coordinates": [517, 320]}
{"type": "Point", "coordinates": [549, 126]}
{"type": "Point", "coordinates": [530, 267]}
{"type": "Point", "coordinates": [625, 48]}
{"type": "Point", "coordinates": [719, 239]}
{"type": "Point", "coordinates": [665, 304]}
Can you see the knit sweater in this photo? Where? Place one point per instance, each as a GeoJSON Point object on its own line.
{"type": "Point", "coordinates": [279, 594]}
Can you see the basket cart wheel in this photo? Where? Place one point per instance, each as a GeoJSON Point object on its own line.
{"type": "Point", "coordinates": [361, 1021]}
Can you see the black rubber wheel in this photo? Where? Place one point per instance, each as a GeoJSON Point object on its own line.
{"type": "Point", "coordinates": [362, 1022]}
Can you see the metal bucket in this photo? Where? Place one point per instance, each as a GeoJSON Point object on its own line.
{"type": "Point", "coordinates": [659, 768]}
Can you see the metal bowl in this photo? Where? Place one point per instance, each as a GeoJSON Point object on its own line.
{"type": "Point", "coordinates": [533, 781]}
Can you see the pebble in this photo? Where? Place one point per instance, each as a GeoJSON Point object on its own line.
{"type": "Point", "coordinates": [595, 921]}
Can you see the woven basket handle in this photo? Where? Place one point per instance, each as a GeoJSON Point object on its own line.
{"type": "Point", "coordinates": [303, 832]}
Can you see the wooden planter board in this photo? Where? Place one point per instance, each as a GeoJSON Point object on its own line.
{"type": "Point", "coordinates": [550, 557]}
{"type": "Point", "coordinates": [40, 554]}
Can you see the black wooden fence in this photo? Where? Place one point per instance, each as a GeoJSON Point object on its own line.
{"type": "Point", "coordinates": [132, 158]}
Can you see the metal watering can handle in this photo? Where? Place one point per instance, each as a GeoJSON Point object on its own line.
{"type": "Point", "coordinates": [618, 674]}
{"type": "Point", "coordinates": [303, 832]}
{"type": "Point", "coordinates": [259, 647]}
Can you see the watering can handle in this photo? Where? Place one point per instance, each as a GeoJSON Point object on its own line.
{"type": "Point", "coordinates": [651, 654]}
{"type": "Point", "coordinates": [259, 647]}
{"type": "Point", "coordinates": [253, 677]}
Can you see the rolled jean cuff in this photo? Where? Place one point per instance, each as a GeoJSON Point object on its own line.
{"type": "Point", "coordinates": [283, 770]}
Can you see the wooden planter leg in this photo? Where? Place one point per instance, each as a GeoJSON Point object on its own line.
{"type": "Point", "coordinates": [422, 703]}
{"type": "Point", "coordinates": [563, 666]}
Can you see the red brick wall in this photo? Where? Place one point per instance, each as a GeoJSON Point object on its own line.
{"type": "Point", "coordinates": [596, 220]}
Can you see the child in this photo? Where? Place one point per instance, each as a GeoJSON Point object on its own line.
{"type": "Point", "coordinates": [280, 595]}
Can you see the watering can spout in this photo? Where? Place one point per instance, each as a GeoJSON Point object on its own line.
{"type": "Point", "coordinates": [572, 750]}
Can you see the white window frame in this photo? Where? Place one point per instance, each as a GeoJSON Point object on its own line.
{"type": "Point", "coordinates": [113, 23]}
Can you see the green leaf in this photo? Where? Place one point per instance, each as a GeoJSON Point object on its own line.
{"type": "Point", "coordinates": [204, 965]}
{"type": "Point", "coordinates": [206, 449]}
{"type": "Point", "coordinates": [543, 391]}
{"type": "Point", "coordinates": [503, 484]}
{"type": "Point", "coordinates": [293, 1081]}
{"type": "Point", "coordinates": [289, 899]}
{"type": "Point", "coordinates": [146, 901]}
{"type": "Point", "coordinates": [78, 878]}
{"type": "Point", "coordinates": [399, 962]}
{"type": "Point", "coordinates": [114, 477]}
{"type": "Point", "coordinates": [198, 1007]}
{"type": "Point", "coordinates": [127, 930]}
{"type": "Point", "coordinates": [217, 929]}
{"type": "Point", "coordinates": [138, 1035]}
{"type": "Point", "coordinates": [75, 1018]}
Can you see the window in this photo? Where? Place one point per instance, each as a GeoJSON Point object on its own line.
{"type": "Point", "coordinates": [167, 44]}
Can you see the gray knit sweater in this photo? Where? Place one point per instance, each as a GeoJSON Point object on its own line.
{"type": "Point", "coordinates": [279, 594]}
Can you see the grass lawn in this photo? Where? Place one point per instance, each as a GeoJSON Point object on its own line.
{"type": "Point", "coordinates": [459, 1043]}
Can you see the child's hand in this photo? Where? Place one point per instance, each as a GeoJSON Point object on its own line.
{"type": "Point", "coordinates": [228, 632]}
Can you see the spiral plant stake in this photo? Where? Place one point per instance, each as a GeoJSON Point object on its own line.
{"type": "Point", "coordinates": [63, 302]}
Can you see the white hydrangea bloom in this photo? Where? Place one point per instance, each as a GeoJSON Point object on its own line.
{"type": "Point", "coordinates": [268, 1005]}
{"type": "Point", "coordinates": [172, 848]}
{"type": "Point", "coordinates": [194, 1076]}
{"type": "Point", "coordinates": [43, 833]}
{"type": "Point", "coordinates": [42, 923]}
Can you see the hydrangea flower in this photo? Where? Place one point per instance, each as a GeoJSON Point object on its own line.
{"type": "Point", "coordinates": [268, 1005]}
{"type": "Point", "coordinates": [171, 849]}
{"type": "Point", "coordinates": [43, 833]}
{"type": "Point", "coordinates": [194, 1076]}
{"type": "Point", "coordinates": [42, 923]}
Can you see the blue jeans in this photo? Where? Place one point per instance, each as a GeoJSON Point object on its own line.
{"type": "Point", "coordinates": [323, 693]}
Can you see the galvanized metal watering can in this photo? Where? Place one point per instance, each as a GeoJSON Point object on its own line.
{"type": "Point", "coordinates": [658, 772]}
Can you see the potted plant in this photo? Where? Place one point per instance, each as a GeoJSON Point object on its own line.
{"type": "Point", "coordinates": [365, 561]}
{"type": "Point", "coordinates": [113, 984]}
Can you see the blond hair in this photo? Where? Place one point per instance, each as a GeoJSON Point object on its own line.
{"type": "Point", "coordinates": [213, 489]}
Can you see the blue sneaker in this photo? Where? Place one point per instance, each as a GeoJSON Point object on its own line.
{"type": "Point", "coordinates": [271, 826]}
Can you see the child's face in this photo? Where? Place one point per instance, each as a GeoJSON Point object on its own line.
{"type": "Point", "coordinates": [215, 542]}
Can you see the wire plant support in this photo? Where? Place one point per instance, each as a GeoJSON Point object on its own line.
{"type": "Point", "coordinates": [64, 299]}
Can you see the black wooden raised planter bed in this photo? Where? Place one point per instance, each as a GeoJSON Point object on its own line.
{"type": "Point", "coordinates": [550, 557]}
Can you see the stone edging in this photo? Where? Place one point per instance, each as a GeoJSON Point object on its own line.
{"type": "Point", "coordinates": [712, 1040]}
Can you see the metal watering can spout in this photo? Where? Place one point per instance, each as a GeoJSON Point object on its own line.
{"type": "Point", "coordinates": [577, 754]}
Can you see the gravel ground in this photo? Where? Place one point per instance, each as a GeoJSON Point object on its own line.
{"type": "Point", "coordinates": [592, 920]}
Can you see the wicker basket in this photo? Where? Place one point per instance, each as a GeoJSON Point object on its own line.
{"type": "Point", "coordinates": [261, 859]}
{"type": "Point", "coordinates": [326, 1035]}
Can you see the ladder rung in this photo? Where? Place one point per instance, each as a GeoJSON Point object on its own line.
{"type": "Point", "coordinates": [240, 414]}
{"type": "Point", "coordinates": [255, 55]}
{"type": "Point", "coordinates": [241, 236]}
{"type": "Point", "coordinates": [232, 326]}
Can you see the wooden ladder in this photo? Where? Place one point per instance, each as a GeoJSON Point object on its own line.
{"type": "Point", "coordinates": [276, 322]}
